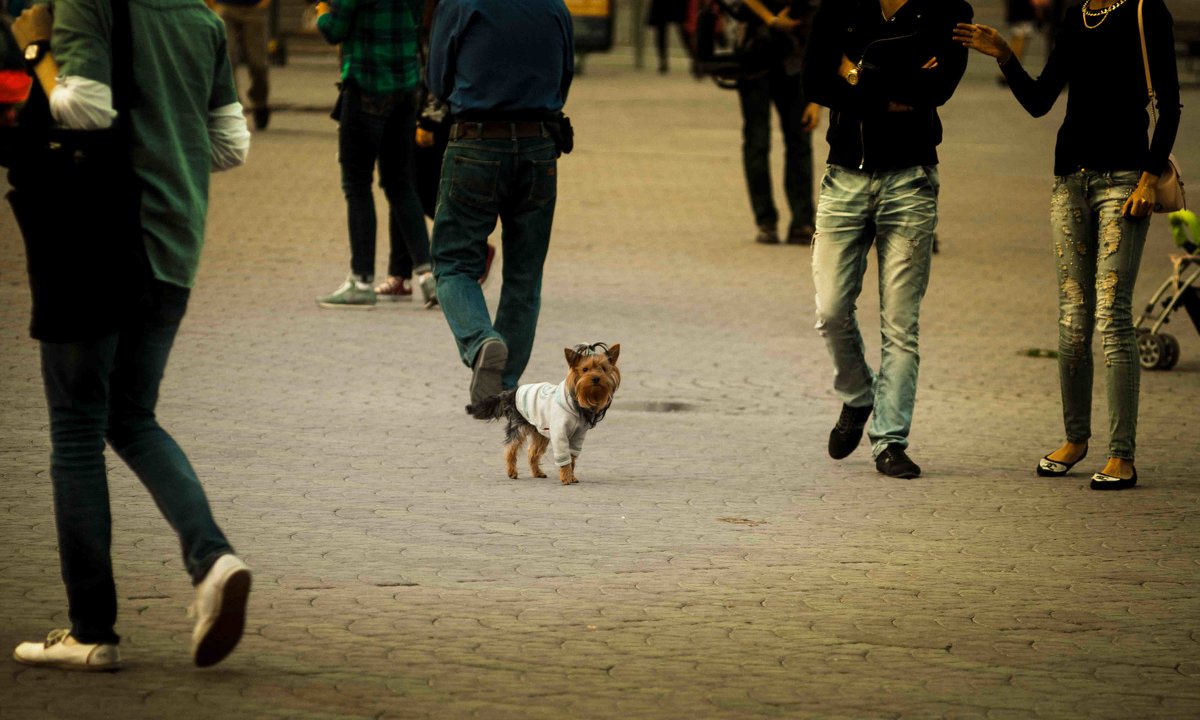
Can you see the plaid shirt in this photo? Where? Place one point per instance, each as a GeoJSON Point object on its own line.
{"type": "Point", "coordinates": [379, 42]}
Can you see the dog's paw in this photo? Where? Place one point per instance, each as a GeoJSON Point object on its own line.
{"type": "Point", "coordinates": [539, 474]}
{"type": "Point", "coordinates": [512, 474]}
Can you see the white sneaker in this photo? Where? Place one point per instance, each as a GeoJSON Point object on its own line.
{"type": "Point", "coordinates": [220, 610]}
{"type": "Point", "coordinates": [60, 650]}
{"type": "Point", "coordinates": [429, 289]}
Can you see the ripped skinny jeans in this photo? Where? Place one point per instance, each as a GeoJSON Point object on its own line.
{"type": "Point", "coordinates": [1097, 251]}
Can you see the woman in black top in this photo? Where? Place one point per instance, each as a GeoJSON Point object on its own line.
{"type": "Point", "coordinates": [1105, 173]}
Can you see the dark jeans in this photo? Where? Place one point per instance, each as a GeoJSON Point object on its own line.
{"type": "Point", "coordinates": [515, 181]}
{"type": "Point", "coordinates": [756, 97]}
{"type": "Point", "coordinates": [108, 388]}
{"type": "Point", "coordinates": [381, 128]}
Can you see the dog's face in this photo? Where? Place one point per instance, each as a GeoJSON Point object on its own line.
{"type": "Point", "coordinates": [593, 377]}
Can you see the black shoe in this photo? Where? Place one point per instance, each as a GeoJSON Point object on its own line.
{"type": "Point", "coordinates": [894, 462]}
{"type": "Point", "coordinates": [802, 235]}
{"type": "Point", "coordinates": [1100, 481]}
{"type": "Point", "coordinates": [844, 437]}
{"type": "Point", "coordinates": [767, 235]}
{"type": "Point", "coordinates": [262, 117]}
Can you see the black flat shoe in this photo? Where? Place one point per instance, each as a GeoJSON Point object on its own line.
{"type": "Point", "coordinates": [1100, 481]}
{"type": "Point", "coordinates": [1053, 468]}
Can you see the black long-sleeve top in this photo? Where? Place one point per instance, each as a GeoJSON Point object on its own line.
{"type": "Point", "coordinates": [862, 133]}
{"type": "Point", "coordinates": [1107, 124]}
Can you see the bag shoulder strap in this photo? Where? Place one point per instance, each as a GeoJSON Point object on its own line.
{"type": "Point", "coordinates": [121, 44]}
{"type": "Point", "coordinates": [1145, 63]}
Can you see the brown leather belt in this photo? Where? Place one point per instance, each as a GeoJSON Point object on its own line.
{"type": "Point", "coordinates": [495, 130]}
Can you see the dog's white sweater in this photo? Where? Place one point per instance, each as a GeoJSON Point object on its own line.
{"type": "Point", "coordinates": [547, 408]}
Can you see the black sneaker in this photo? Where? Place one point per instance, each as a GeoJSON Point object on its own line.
{"type": "Point", "coordinates": [894, 462]}
{"type": "Point", "coordinates": [262, 118]}
{"type": "Point", "coordinates": [844, 437]}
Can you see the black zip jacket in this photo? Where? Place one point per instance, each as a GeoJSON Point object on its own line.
{"type": "Point", "coordinates": [863, 133]}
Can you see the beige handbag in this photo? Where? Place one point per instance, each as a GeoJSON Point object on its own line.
{"type": "Point", "coordinates": [1170, 193]}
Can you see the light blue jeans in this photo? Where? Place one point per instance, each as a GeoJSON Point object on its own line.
{"type": "Point", "coordinates": [896, 211]}
{"type": "Point", "coordinates": [1097, 251]}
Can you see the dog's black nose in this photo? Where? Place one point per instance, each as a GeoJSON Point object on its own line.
{"type": "Point", "coordinates": [595, 381]}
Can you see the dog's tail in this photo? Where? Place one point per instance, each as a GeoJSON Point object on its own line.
{"type": "Point", "coordinates": [492, 408]}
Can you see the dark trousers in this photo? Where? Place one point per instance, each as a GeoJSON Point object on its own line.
{"type": "Point", "coordinates": [482, 180]}
{"type": "Point", "coordinates": [107, 389]}
{"type": "Point", "coordinates": [381, 129]}
{"type": "Point", "coordinates": [787, 95]}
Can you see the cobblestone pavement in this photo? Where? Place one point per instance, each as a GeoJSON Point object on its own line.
{"type": "Point", "coordinates": [713, 562]}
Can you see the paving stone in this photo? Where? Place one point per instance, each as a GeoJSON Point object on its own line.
{"type": "Point", "coordinates": [713, 562]}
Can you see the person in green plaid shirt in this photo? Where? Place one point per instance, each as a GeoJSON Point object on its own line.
{"type": "Point", "coordinates": [377, 124]}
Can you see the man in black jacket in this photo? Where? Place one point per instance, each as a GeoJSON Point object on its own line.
{"type": "Point", "coordinates": [882, 67]}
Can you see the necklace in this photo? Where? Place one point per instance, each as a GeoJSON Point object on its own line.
{"type": "Point", "coordinates": [1102, 14]}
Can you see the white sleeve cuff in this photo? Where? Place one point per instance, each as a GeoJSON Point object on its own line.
{"type": "Point", "coordinates": [229, 136]}
{"type": "Point", "coordinates": [82, 104]}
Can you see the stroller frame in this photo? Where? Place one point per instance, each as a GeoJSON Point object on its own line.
{"type": "Point", "coordinates": [1158, 350]}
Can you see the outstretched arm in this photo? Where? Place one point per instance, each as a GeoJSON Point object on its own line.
{"type": "Point", "coordinates": [1036, 96]}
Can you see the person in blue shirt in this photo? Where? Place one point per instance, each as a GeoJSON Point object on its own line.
{"type": "Point", "coordinates": [504, 69]}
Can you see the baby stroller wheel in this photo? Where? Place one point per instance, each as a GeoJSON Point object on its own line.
{"type": "Point", "coordinates": [1151, 350]}
{"type": "Point", "coordinates": [1170, 352]}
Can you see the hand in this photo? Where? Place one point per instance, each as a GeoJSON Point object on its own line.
{"type": "Point", "coordinates": [424, 138]}
{"type": "Point", "coordinates": [783, 23]}
{"type": "Point", "coordinates": [322, 8]}
{"type": "Point", "coordinates": [846, 66]}
{"type": "Point", "coordinates": [1143, 199]}
{"type": "Point", "coordinates": [34, 25]}
{"type": "Point", "coordinates": [986, 40]}
{"type": "Point", "coordinates": [811, 118]}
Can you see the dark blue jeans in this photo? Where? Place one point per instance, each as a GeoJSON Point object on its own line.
{"type": "Point", "coordinates": [381, 129]}
{"type": "Point", "coordinates": [108, 388]}
{"type": "Point", "coordinates": [756, 95]}
{"type": "Point", "coordinates": [482, 180]}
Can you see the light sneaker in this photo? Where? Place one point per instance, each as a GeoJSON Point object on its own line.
{"type": "Point", "coordinates": [220, 610]}
{"type": "Point", "coordinates": [60, 650]}
{"type": "Point", "coordinates": [428, 286]}
{"type": "Point", "coordinates": [489, 366]}
{"type": "Point", "coordinates": [352, 294]}
{"type": "Point", "coordinates": [394, 288]}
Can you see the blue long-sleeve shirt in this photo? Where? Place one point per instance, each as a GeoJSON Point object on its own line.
{"type": "Point", "coordinates": [507, 58]}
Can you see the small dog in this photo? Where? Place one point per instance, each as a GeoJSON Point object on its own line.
{"type": "Point", "coordinates": [559, 415]}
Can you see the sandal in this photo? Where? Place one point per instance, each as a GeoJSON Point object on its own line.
{"type": "Point", "coordinates": [1053, 468]}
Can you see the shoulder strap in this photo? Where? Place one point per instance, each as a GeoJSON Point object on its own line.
{"type": "Point", "coordinates": [1145, 63]}
{"type": "Point", "coordinates": [123, 88]}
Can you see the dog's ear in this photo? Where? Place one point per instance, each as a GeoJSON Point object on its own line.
{"type": "Point", "coordinates": [613, 352]}
{"type": "Point", "coordinates": [572, 357]}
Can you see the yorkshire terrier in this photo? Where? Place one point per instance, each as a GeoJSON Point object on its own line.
{"type": "Point", "coordinates": [559, 415]}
